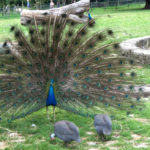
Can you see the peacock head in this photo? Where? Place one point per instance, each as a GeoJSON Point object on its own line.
{"type": "Point", "coordinates": [52, 81]}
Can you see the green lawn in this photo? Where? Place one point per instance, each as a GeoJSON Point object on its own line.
{"type": "Point", "coordinates": [129, 133]}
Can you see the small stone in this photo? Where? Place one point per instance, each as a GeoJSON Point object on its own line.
{"type": "Point", "coordinates": [91, 143]}
{"type": "Point", "coordinates": [89, 133]}
{"type": "Point", "coordinates": [33, 125]}
{"type": "Point", "coordinates": [131, 115]}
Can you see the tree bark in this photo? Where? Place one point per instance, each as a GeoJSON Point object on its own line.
{"type": "Point", "coordinates": [147, 5]}
{"type": "Point", "coordinates": [75, 12]}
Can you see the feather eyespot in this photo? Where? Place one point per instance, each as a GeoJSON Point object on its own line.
{"type": "Point", "coordinates": [72, 23]}
{"type": "Point", "coordinates": [57, 69]}
{"type": "Point", "coordinates": [12, 28]}
{"type": "Point", "coordinates": [120, 62]}
{"type": "Point", "coordinates": [43, 44]}
{"type": "Point", "coordinates": [110, 32]}
{"type": "Point", "coordinates": [131, 62]}
{"type": "Point", "coordinates": [132, 106]}
{"type": "Point", "coordinates": [70, 33]}
{"type": "Point", "coordinates": [126, 96]}
{"type": "Point", "coordinates": [140, 89]}
{"type": "Point", "coordinates": [97, 59]}
{"type": "Point", "coordinates": [81, 16]}
{"type": "Point", "coordinates": [101, 98]}
{"type": "Point", "coordinates": [43, 32]}
{"type": "Point", "coordinates": [12, 58]}
{"type": "Point", "coordinates": [65, 44]}
{"type": "Point", "coordinates": [133, 74]}
{"type": "Point", "coordinates": [84, 86]}
{"type": "Point", "coordinates": [69, 54]}
{"type": "Point", "coordinates": [109, 80]}
{"type": "Point", "coordinates": [28, 21]}
{"type": "Point", "coordinates": [119, 105]}
{"type": "Point", "coordinates": [100, 37]}
{"type": "Point", "coordinates": [131, 87]}
{"type": "Point", "coordinates": [34, 54]}
{"type": "Point", "coordinates": [121, 74]}
{"type": "Point", "coordinates": [19, 67]}
{"type": "Point", "coordinates": [83, 32]}
{"type": "Point", "coordinates": [116, 46]}
{"type": "Point", "coordinates": [75, 65]}
{"type": "Point", "coordinates": [51, 49]}
{"type": "Point", "coordinates": [7, 51]}
{"type": "Point", "coordinates": [31, 31]}
{"type": "Point", "coordinates": [109, 65]}
{"type": "Point", "coordinates": [56, 37]}
{"type": "Point", "coordinates": [17, 34]}
{"type": "Point", "coordinates": [90, 45]}
{"type": "Point", "coordinates": [76, 42]}
{"type": "Point", "coordinates": [83, 55]}
{"type": "Point", "coordinates": [64, 15]}
{"type": "Point", "coordinates": [113, 97]}
{"type": "Point", "coordinates": [20, 43]}
{"type": "Point", "coordinates": [2, 65]}
{"type": "Point", "coordinates": [105, 51]}
{"type": "Point", "coordinates": [9, 71]}
{"type": "Point", "coordinates": [43, 22]}
{"type": "Point", "coordinates": [5, 44]}
{"type": "Point", "coordinates": [58, 26]}
{"type": "Point", "coordinates": [32, 40]}
{"type": "Point", "coordinates": [45, 13]}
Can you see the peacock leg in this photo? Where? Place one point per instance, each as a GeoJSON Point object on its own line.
{"type": "Point", "coordinates": [54, 112]}
{"type": "Point", "coordinates": [47, 112]}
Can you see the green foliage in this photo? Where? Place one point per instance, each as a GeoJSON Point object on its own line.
{"type": "Point", "coordinates": [32, 2]}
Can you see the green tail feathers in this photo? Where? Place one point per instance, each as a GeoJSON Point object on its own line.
{"type": "Point", "coordinates": [87, 69]}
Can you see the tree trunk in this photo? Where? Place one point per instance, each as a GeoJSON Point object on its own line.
{"type": "Point", "coordinates": [147, 6]}
{"type": "Point", "coordinates": [75, 12]}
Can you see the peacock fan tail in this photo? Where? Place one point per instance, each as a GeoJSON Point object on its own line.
{"type": "Point", "coordinates": [87, 70]}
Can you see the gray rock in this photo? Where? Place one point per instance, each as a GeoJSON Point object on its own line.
{"type": "Point", "coordinates": [138, 48]}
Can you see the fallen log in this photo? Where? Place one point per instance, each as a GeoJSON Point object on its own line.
{"type": "Point", "coordinates": [75, 13]}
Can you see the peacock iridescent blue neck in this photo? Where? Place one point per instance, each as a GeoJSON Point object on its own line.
{"type": "Point", "coordinates": [51, 100]}
{"type": "Point", "coordinates": [89, 15]}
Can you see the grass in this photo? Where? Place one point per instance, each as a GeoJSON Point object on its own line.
{"type": "Point", "coordinates": [129, 133]}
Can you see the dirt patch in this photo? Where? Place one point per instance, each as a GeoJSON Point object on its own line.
{"type": "Point", "coordinates": [3, 145]}
{"type": "Point", "coordinates": [142, 120]}
{"type": "Point", "coordinates": [12, 137]}
{"type": "Point", "coordinates": [108, 143]}
{"type": "Point", "coordinates": [84, 138]}
{"type": "Point", "coordinates": [140, 145]}
{"type": "Point", "coordinates": [113, 148]}
{"type": "Point", "coordinates": [15, 137]}
{"type": "Point", "coordinates": [91, 143]}
{"type": "Point", "coordinates": [116, 135]}
{"type": "Point", "coordinates": [136, 137]}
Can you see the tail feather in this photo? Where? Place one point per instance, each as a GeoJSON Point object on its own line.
{"type": "Point", "coordinates": [87, 70]}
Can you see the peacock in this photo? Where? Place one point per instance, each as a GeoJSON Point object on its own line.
{"type": "Point", "coordinates": [61, 63]}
